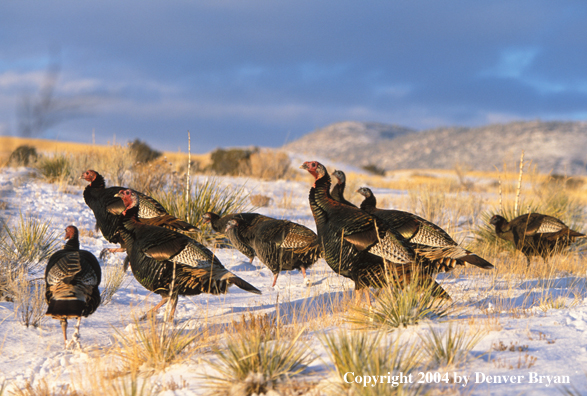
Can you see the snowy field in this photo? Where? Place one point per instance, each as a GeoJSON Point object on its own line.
{"type": "Point", "coordinates": [549, 345]}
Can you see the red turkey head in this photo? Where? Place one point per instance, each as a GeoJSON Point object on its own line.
{"type": "Point", "coordinates": [129, 198]}
{"type": "Point", "coordinates": [315, 168]}
{"type": "Point", "coordinates": [71, 232]}
{"type": "Point", "coordinates": [89, 175]}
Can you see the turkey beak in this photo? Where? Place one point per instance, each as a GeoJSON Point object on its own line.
{"type": "Point", "coordinates": [304, 166]}
{"type": "Point", "coordinates": [117, 195]}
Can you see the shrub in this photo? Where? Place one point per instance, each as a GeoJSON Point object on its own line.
{"type": "Point", "coordinates": [229, 162]}
{"type": "Point", "coordinates": [374, 169]}
{"type": "Point", "coordinates": [56, 168]}
{"type": "Point", "coordinates": [267, 165]}
{"type": "Point", "coordinates": [23, 156]}
{"type": "Point", "coordinates": [142, 152]}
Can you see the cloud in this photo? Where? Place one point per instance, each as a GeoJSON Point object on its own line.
{"type": "Point", "coordinates": [512, 63]}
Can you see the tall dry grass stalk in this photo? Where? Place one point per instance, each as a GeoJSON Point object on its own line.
{"type": "Point", "coordinates": [29, 299]}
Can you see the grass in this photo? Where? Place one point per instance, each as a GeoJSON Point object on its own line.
{"type": "Point", "coordinates": [365, 353]}
{"type": "Point", "coordinates": [450, 347]}
{"type": "Point", "coordinates": [29, 299]}
{"type": "Point", "coordinates": [250, 364]}
{"type": "Point", "coordinates": [207, 196]}
{"type": "Point", "coordinates": [156, 345]}
{"type": "Point", "coordinates": [27, 244]}
{"type": "Point", "coordinates": [395, 307]}
{"type": "Point", "coordinates": [112, 278]}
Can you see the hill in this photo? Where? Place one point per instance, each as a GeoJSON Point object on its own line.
{"type": "Point", "coordinates": [557, 147]}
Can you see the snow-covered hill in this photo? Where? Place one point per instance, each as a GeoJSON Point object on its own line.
{"type": "Point", "coordinates": [557, 147]}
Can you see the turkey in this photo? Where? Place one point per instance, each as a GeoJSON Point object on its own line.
{"type": "Point", "coordinates": [106, 207]}
{"type": "Point", "coordinates": [535, 234]}
{"type": "Point", "coordinates": [241, 239]}
{"type": "Point", "coordinates": [157, 253]}
{"type": "Point", "coordinates": [337, 192]}
{"type": "Point", "coordinates": [430, 242]}
{"type": "Point", "coordinates": [359, 246]}
{"type": "Point", "coordinates": [281, 245]}
{"type": "Point", "coordinates": [72, 277]}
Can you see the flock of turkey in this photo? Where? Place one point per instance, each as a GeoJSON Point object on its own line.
{"type": "Point", "coordinates": [369, 245]}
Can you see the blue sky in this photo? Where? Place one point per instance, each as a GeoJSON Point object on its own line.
{"type": "Point", "coordinates": [264, 72]}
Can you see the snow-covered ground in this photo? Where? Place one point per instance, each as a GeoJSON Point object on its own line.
{"type": "Point", "coordinates": [552, 343]}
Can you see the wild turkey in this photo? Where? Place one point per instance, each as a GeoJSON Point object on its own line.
{"type": "Point", "coordinates": [107, 208]}
{"type": "Point", "coordinates": [359, 246]}
{"type": "Point", "coordinates": [241, 239]}
{"type": "Point", "coordinates": [535, 234]}
{"type": "Point", "coordinates": [72, 277]}
{"type": "Point", "coordinates": [281, 245]}
{"type": "Point", "coordinates": [337, 192]}
{"type": "Point", "coordinates": [157, 253]}
{"type": "Point", "coordinates": [431, 243]}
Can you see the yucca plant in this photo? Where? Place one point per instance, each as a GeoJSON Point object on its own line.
{"type": "Point", "coordinates": [156, 344]}
{"type": "Point", "coordinates": [449, 347]}
{"type": "Point", "coordinates": [207, 196]}
{"type": "Point", "coordinates": [132, 385]}
{"type": "Point", "coordinates": [401, 307]}
{"type": "Point", "coordinates": [112, 278]}
{"type": "Point", "coordinates": [251, 365]}
{"type": "Point", "coordinates": [361, 353]}
{"type": "Point", "coordinates": [27, 244]}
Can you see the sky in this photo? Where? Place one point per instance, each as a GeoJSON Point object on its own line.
{"type": "Point", "coordinates": [266, 72]}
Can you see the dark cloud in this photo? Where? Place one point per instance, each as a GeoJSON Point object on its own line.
{"type": "Point", "coordinates": [260, 72]}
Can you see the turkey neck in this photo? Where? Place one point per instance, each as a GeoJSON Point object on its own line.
{"type": "Point", "coordinates": [98, 182]}
{"type": "Point", "coordinates": [72, 244]}
{"type": "Point", "coordinates": [319, 197]}
{"type": "Point", "coordinates": [369, 203]}
{"type": "Point", "coordinates": [337, 192]}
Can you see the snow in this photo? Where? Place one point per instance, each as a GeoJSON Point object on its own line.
{"type": "Point", "coordinates": [553, 341]}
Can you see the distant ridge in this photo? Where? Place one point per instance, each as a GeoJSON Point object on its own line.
{"type": "Point", "coordinates": [557, 147]}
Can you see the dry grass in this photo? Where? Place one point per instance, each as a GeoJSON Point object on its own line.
{"type": "Point", "coordinates": [156, 345]}
{"type": "Point", "coordinates": [251, 364]}
{"type": "Point", "coordinates": [450, 347]}
{"type": "Point", "coordinates": [267, 165]}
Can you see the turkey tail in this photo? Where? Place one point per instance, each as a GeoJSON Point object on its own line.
{"type": "Point", "coordinates": [243, 284]}
{"type": "Point", "coordinates": [576, 234]}
{"type": "Point", "coordinates": [472, 258]}
{"type": "Point", "coordinates": [453, 256]}
{"type": "Point", "coordinates": [59, 308]}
